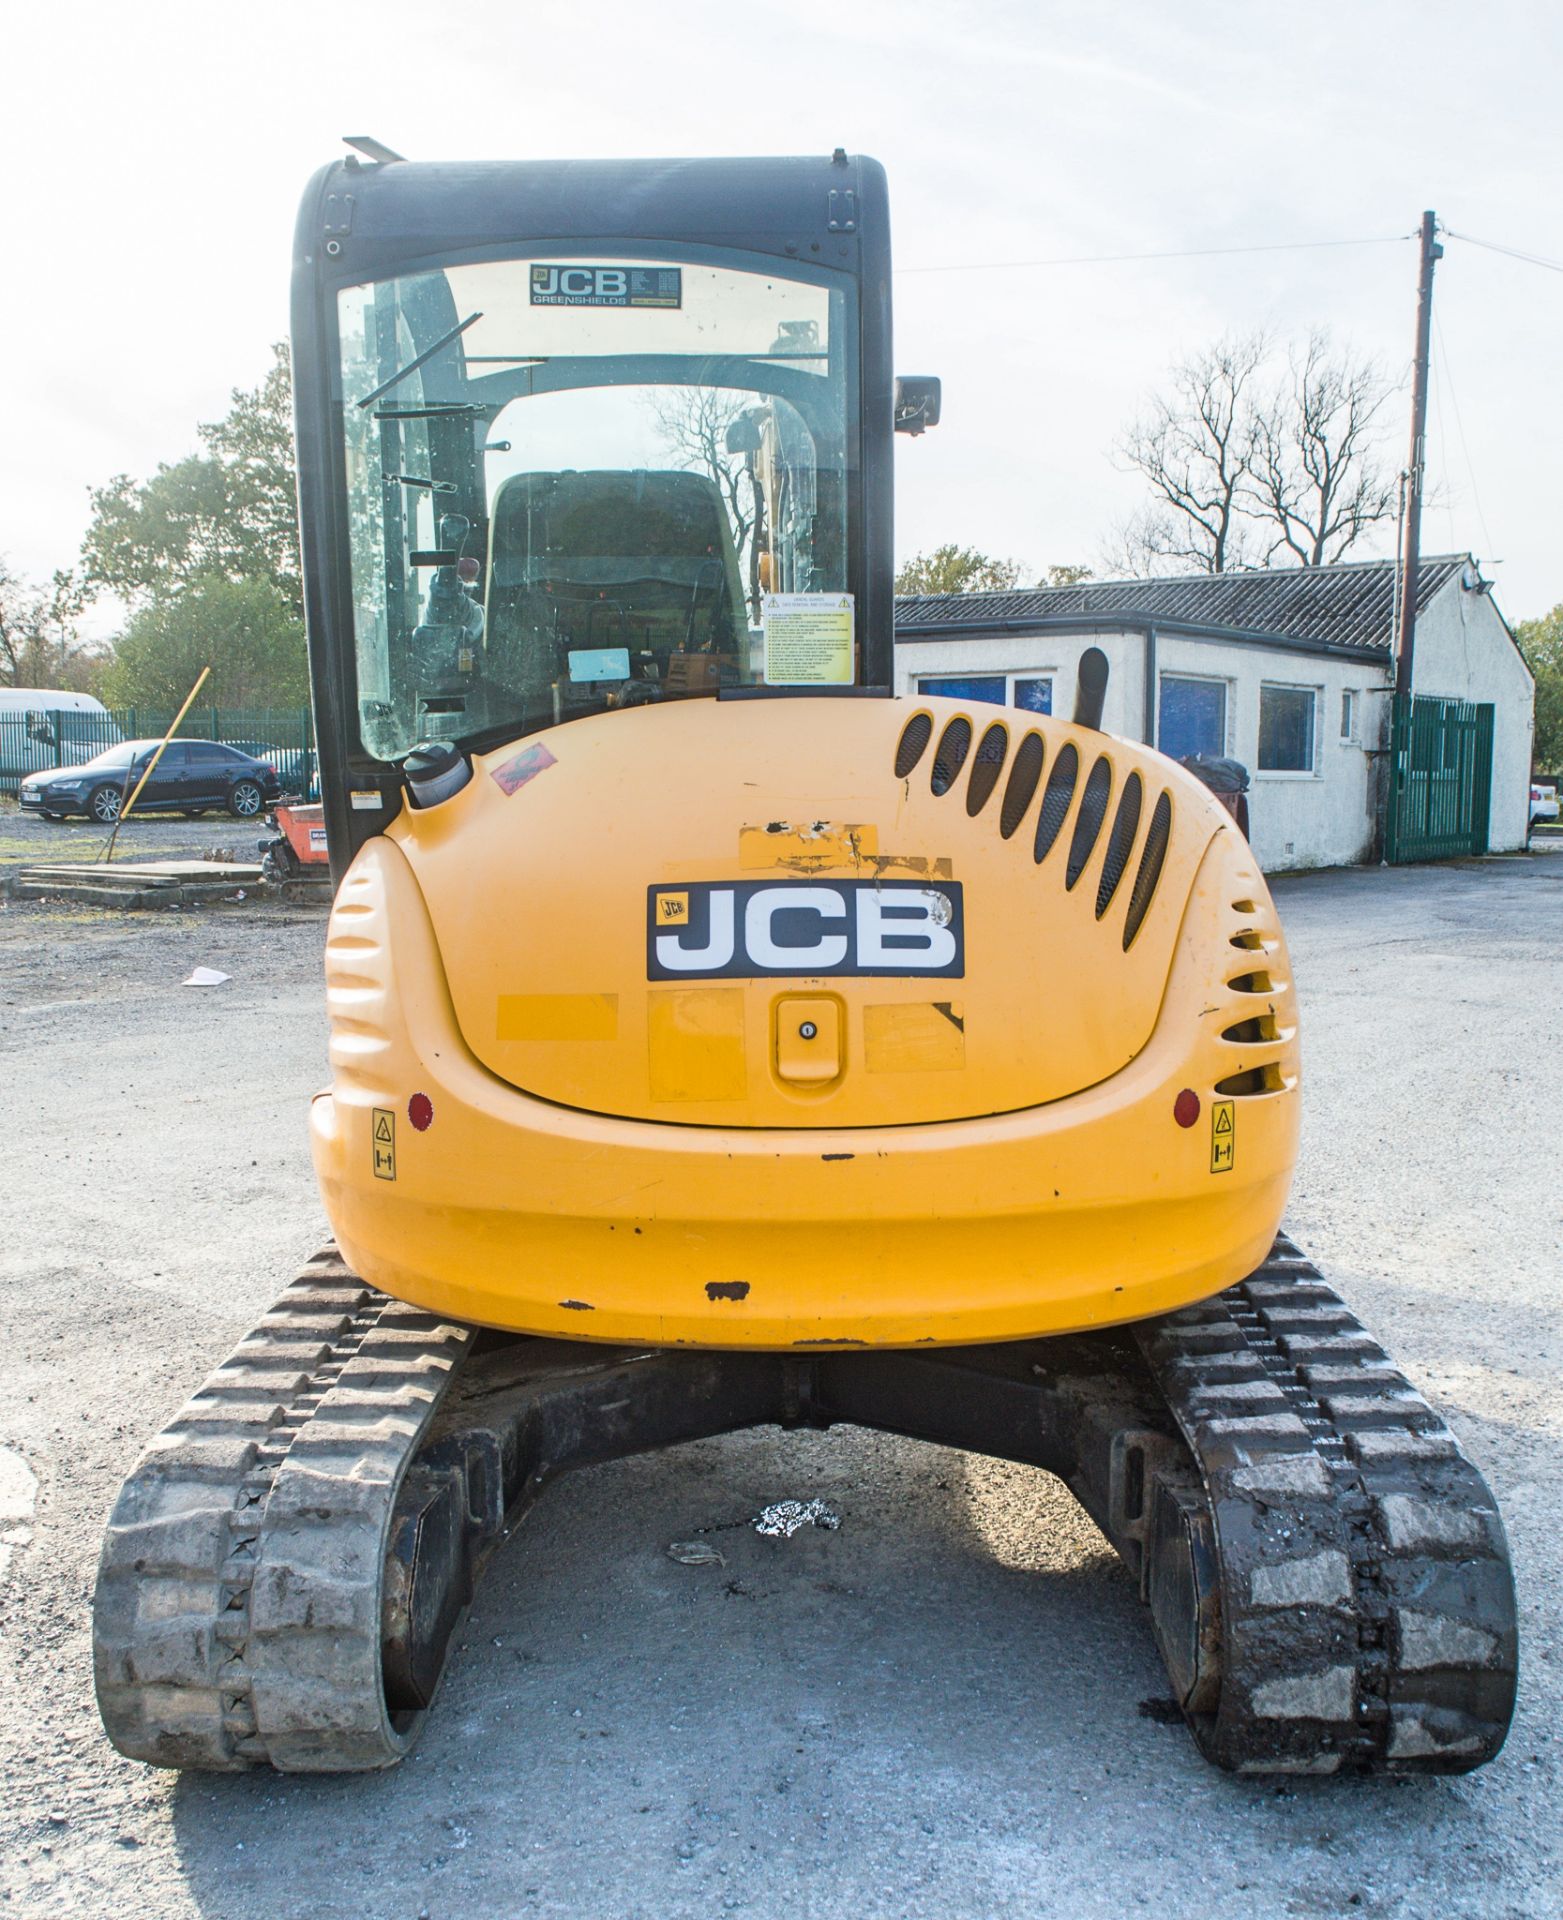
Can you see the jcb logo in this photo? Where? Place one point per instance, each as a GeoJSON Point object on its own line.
{"type": "Point", "coordinates": [811, 928]}
{"type": "Point", "coordinates": [581, 283]}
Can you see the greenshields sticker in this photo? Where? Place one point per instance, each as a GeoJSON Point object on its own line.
{"type": "Point", "coordinates": [578, 285]}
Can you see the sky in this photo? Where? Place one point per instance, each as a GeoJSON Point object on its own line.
{"type": "Point", "coordinates": [155, 155]}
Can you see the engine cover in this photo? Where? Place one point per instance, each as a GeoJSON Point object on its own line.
{"type": "Point", "coordinates": [810, 912]}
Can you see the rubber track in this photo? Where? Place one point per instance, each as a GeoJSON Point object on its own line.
{"type": "Point", "coordinates": [237, 1615]}
{"type": "Point", "coordinates": [1366, 1599]}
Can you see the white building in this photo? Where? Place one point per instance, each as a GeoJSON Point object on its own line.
{"type": "Point", "coordinates": [1289, 671]}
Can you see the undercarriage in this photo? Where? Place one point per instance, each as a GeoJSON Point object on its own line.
{"type": "Point", "coordinates": [1326, 1574]}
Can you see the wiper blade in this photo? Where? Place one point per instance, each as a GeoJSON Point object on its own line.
{"type": "Point", "coordinates": [416, 480]}
{"type": "Point", "coordinates": [433, 410]}
{"type": "Point", "coordinates": [428, 353]}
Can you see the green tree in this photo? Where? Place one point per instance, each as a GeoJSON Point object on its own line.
{"type": "Point", "coordinates": [246, 631]}
{"type": "Point", "coordinates": [1541, 642]}
{"type": "Point", "coordinates": [230, 511]}
{"type": "Point", "coordinates": [952, 569]}
{"type": "Point", "coordinates": [1066, 575]}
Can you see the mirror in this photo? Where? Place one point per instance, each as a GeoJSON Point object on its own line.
{"type": "Point", "coordinates": [916, 402]}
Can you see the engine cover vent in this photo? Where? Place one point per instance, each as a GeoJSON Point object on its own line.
{"type": "Point", "coordinates": [954, 745]}
{"type": "Point", "coordinates": [1023, 778]}
{"type": "Point", "coordinates": [1121, 844]}
{"type": "Point", "coordinates": [913, 743]}
{"type": "Point", "coordinates": [1088, 822]}
{"type": "Point", "coordinates": [1056, 799]}
{"type": "Point", "coordinates": [986, 768]}
{"type": "Point", "coordinates": [1151, 861]}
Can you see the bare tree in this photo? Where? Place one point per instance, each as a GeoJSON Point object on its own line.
{"type": "Point", "coordinates": [1316, 482]}
{"type": "Point", "coordinates": [693, 423]}
{"type": "Point", "coordinates": [1195, 448]}
{"type": "Point", "coordinates": [39, 642]}
{"type": "Point", "coordinates": [1247, 470]}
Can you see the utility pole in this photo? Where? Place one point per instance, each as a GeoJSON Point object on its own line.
{"type": "Point", "coordinates": [1405, 638]}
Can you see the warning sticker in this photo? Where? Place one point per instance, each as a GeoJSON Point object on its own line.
{"type": "Point", "coordinates": [808, 639]}
{"type": "Point", "coordinates": [1223, 1135]}
{"type": "Point", "coordinates": [383, 1143]}
{"type": "Point", "coordinates": [512, 774]}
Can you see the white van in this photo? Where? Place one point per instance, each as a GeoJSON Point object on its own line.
{"type": "Point", "coordinates": [42, 727]}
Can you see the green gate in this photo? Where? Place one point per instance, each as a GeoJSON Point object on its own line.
{"type": "Point", "coordinates": [1440, 780]}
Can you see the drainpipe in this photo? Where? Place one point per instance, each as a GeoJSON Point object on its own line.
{"type": "Point", "coordinates": [1149, 728]}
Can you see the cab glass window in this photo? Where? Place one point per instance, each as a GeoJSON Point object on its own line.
{"type": "Point", "coordinates": [575, 486]}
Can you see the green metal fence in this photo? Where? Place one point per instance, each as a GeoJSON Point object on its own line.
{"type": "Point", "coordinates": [34, 742]}
{"type": "Point", "coordinates": [1440, 780]}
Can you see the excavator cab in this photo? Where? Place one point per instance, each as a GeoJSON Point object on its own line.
{"type": "Point", "coordinates": [721, 1037]}
{"type": "Point", "coordinates": [559, 478]}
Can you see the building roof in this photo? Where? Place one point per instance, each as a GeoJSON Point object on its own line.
{"type": "Point", "coordinates": [1351, 605]}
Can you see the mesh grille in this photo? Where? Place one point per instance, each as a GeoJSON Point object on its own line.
{"type": "Point", "coordinates": [1125, 827]}
{"type": "Point", "coordinates": [915, 736]}
{"type": "Point", "coordinates": [986, 768]}
{"type": "Point", "coordinates": [1023, 777]}
{"type": "Point", "coordinates": [954, 745]}
{"type": "Point", "coordinates": [1151, 862]}
{"type": "Point", "coordinates": [1055, 800]}
{"type": "Point", "coordinates": [1088, 824]}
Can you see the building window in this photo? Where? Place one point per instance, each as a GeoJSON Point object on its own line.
{"type": "Point", "coordinates": [1192, 717]}
{"type": "Point", "coordinates": [1031, 692]}
{"type": "Point", "coordinates": [1348, 714]}
{"type": "Point", "coordinates": [1286, 729]}
{"type": "Point", "coordinates": [988, 686]}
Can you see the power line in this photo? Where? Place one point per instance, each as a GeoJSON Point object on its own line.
{"type": "Point", "coordinates": [1443, 496]}
{"type": "Point", "coordinates": [1514, 253]}
{"type": "Point", "coordinates": [1459, 421]}
{"type": "Point", "coordinates": [1170, 253]}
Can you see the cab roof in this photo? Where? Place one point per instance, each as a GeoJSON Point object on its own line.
{"type": "Point", "coordinates": [818, 211]}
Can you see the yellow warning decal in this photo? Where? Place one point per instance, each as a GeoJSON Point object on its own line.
{"type": "Point", "coordinates": [1223, 1135]}
{"type": "Point", "coordinates": [383, 1144]}
{"type": "Point", "coordinates": [672, 909]}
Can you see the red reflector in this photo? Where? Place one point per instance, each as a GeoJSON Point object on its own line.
{"type": "Point", "coordinates": [1185, 1109]}
{"type": "Point", "coordinates": [420, 1111]}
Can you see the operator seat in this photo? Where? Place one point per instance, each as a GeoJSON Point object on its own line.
{"type": "Point", "coordinates": [639, 559]}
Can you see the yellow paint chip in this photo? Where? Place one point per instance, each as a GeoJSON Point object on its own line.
{"type": "Point", "coordinates": [916, 1037]}
{"type": "Point", "coordinates": [695, 1044]}
{"type": "Point", "coordinates": [805, 846]}
{"type": "Point", "coordinates": [558, 1016]}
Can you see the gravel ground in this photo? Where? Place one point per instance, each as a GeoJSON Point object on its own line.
{"type": "Point", "coordinates": [26, 837]}
{"type": "Point", "coordinates": [935, 1711]}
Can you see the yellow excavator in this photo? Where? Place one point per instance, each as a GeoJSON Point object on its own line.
{"type": "Point", "coordinates": [718, 1038]}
